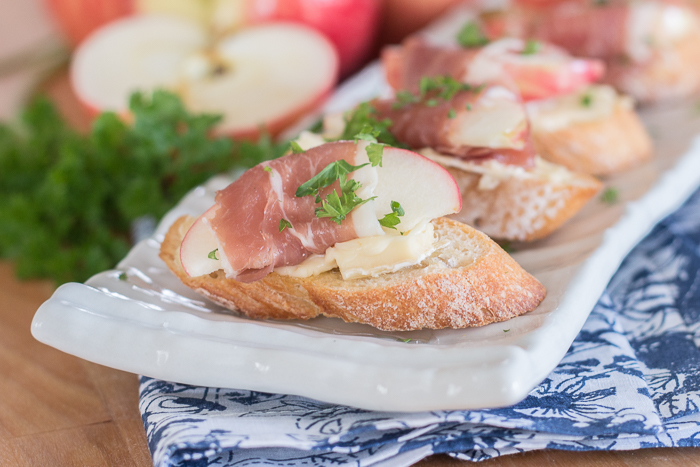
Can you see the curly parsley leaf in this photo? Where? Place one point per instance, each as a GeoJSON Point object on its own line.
{"type": "Point", "coordinates": [532, 47]}
{"type": "Point", "coordinates": [391, 220]}
{"type": "Point", "coordinates": [296, 149]}
{"type": "Point", "coordinates": [364, 115]}
{"type": "Point", "coordinates": [610, 196]}
{"type": "Point", "coordinates": [68, 200]}
{"type": "Point", "coordinates": [338, 207]}
{"type": "Point", "coordinates": [375, 152]}
{"type": "Point", "coordinates": [471, 35]}
{"type": "Point", "coordinates": [284, 223]}
{"type": "Point", "coordinates": [332, 172]}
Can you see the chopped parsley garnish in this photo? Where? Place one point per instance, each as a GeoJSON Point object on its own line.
{"type": "Point", "coordinates": [212, 254]}
{"type": "Point", "coordinates": [586, 100]}
{"type": "Point", "coordinates": [507, 247]}
{"type": "Point", "coordinates": [445, 87]}
{"type": "Point", "coordinates": [357, 120]}
{"type": "Point", "coordinates": [610, 196]}
{"type": "Point", "coordinates": [469, 106]}
{"type": "Point", "coordinates": [335, 206]}
{"type": "Point", "coordinates": [296, 149]}
{"type": "Point", "coordinates": [375, 151]}
{"type": "Point", "coordinates": [122, 276]}
{"type": "Point", "coordinates": [532, 47]}
{"type": "Point", "coordinates": [338, 207]}
{"type": "Point", "coordinates": [432, 89]}
{"type": "Point", "coordinates": [332, 172]}
{"type": "Point", "coordinates": [268, 169]}
{"type": "Point", "coordinates": [451, 114]}
{"type": "Point", "coordinates": [405, 341]}
{"type": "Point", "coordinates": [471, 35]}
{"type": "Point", "coordinates": [391, 220]}
{"type": "Point", "coordinates": [284, 223]}
{"type": "Point", "coordinates": [506, 330]}
{"type": "Point", "coordinates": [404, 98]}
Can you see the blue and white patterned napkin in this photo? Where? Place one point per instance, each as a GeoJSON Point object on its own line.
{"type": "Point", "coordinates": [630, 380]}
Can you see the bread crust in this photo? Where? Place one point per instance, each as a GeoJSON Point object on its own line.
{"type": "Point", "coordinates": [521, 209]}
{"type": "Point", "coordinates": [671, 73]}
{"type": "Point", "coordinates": [492, 287]}
{"type": "Point", "coordinates": [600, 147]}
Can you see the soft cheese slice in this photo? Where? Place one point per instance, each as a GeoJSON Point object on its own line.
{"type": "Point", "coordinates": [591, 103]}
{"type": "Point", "coordinates": [370, 256]}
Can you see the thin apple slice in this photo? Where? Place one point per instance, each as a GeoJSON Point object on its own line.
{"type": "Point", "coordinates": [424, 189]}
{"type": "Point", "coordinates": [266, 75]}
{"type": "Point", "coordinates": [197, 245]}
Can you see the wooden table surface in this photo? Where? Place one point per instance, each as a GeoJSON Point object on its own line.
{"type": "Point", "coordinates": [58, 410]}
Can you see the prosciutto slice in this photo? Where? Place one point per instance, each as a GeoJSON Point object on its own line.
{"type": "Point", "coordinates": [247, 220]}
{"type": "Point", "coordinates": [583, 28]}
{"type": "Point", "coordinates": [474, 125]}
{"type": "Point", "coordinates": [548, 72]}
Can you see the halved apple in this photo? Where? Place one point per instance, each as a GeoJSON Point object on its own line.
{"type": "Point", "coordinates": [350, 24]}
{"type": "Point", "coordinates": [267, 75]}
{"type": "Point", "coordinates": [424, 189]}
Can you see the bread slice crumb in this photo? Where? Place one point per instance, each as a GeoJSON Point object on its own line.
{"type": "Point", "coordinates": [468, 281]}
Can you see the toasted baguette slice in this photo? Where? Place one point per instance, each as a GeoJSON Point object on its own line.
{"type": "Point", "coordinates": [670, 73]}
{"type": "Point", "coordinates": [594, 131]}
{"type": "Point", "coordinates": [512, 203]}
{"type": "Point", "coordinates": [468, 281]}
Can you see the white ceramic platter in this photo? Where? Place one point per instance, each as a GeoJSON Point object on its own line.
{"type": "Point", "coordinates": [139, 318]}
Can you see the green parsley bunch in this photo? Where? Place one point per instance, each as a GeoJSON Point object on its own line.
{"type": "Point", "coordinates": [67, 200]}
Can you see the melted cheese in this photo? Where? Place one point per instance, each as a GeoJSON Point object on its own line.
{"type": "Point", "coordinates": [592, 103]}
{"type": "Point", "coordinates": [370, 256]}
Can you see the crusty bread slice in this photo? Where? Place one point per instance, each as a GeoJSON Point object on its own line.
{"type": "Point", "coordinates": [670, 73]}
{"type": "Point", "coordinates": [468, 281]}
{"type": "Point", "coordinates": [511, 203]}
{"type": "Point", "coordinates": [604, 146]}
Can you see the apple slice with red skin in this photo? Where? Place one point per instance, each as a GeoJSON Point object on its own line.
{"type": "Point", "coordinates": [424, 189]}
{"type": "Point", "coordinates": [263, 76]}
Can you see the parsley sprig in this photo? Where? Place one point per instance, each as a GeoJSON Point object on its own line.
{"type": "Point", "coordinates": [471, 36]}
{"type": "Point", "coordinates": [363, 116]}
{"type": "Point", "coordinates": [532, 47]}
{"type": "Point", "coordinates": [391, 220]}
{"type": "Point", "coordinates": [432, 89]}
{"type": "Point", "coordinates": [338, 207]}
{"type": "Point", "coordinates": [68, 200]}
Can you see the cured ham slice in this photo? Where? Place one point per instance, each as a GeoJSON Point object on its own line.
{"type": "Point", "coordinates": [247, 221]}
{"type": "Point", "coordinates": [488, 122]}
{"type": "Point", "coordinates": [650, 47]}
{"type": "Point", "coordinates": [540, 73]}
{"type": "Point", "coordinates": [610, 30]}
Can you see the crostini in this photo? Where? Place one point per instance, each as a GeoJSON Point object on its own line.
{"type": "Point", "coordinates": [350, 230]}
{"type": "Point", "coordinates": [585, 127]}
